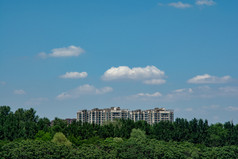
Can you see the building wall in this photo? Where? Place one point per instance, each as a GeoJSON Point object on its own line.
{"type": "Point", "coordinates": [99, 116]}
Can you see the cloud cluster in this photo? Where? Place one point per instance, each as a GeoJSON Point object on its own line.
{"type": "Point", "coordinates": [180, 5]}
{"type": "Point", "coordinates": [63, 52]}
{"type": "Point", "coordinates": [204, 92]}
{"type": "Point", "coordinates": [83, 90]}
{"type": "Point", "coordinates": [148, 74]}
{"type": "Point", "coordinates": [208, 79]}
{"type": "Point", "coordinates": [154, 81]}
{"type": "Point", "coordinates": [19, 92]}
{"type": "Point", "coordinates": [179, 94]}
{"type": "Point", "coordinates": [74, 75]}
{"type": "Point", "coordinates": [156, 94]}
{"type": "Point", "coordinates": [201, 92]}
{"type": "Point", "coordinates": [183, 90]}
{"type": "Point", "coordinates": [205, 2]}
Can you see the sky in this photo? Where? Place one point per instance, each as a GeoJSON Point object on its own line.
{"type": "Point", "coordinates": [61, 56]}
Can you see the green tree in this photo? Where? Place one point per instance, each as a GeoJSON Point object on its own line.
{"type": "Point", "coordinates": [217, 135]}
{"type": "Point", "coordinates": [43, 136]}
{"type": "Point", "coordinates": [33, 149]}
{"type": "Point", "coordinates": [43, 124]}
{"type": "Point", "coordinates": [60, 139]}
{"type": "Point", "coordinates": [138, 135]}
{"type": "Point", "coordinates": [4, 112]}
{"type": "Point", "coordinates": [59, 125]}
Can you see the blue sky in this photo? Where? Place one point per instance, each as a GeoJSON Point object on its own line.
{"type": "Point", "coordinates": [62, 56]}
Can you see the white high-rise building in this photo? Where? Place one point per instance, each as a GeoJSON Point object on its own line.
{"type": "Point", "coordinates": [99, 116]}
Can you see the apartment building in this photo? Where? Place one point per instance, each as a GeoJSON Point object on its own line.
{"type": "Point", "coordinates": [99, 116]}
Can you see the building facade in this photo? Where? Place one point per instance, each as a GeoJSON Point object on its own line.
{"type": "Point", "coordinates": [100, 116]}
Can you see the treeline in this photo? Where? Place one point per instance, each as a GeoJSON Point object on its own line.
{"type": "Point", "coordinates": [24, 134]}
{"type": "Point", "coordinates": [25, 124]}
{"type": "Point", "coordinates": [137, 146]}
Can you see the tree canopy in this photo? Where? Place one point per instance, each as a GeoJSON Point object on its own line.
{"type": "Point", "coordinates": [25, 135]}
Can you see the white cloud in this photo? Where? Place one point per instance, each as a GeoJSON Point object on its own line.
{"type": "Point", "coordinates": [74, 75]}
{"type": "Point", "coordinates": [135, 73]}
{"type": "Point", "coordinates": [144, 96]}
{"type": "Point", "coordinates": [155, 81]}
{"type": "Point", "coordinates": [208, 79]}
{"type": "Point", "coordinates": [180, 5]}
{"type": "Point", "coordinates": [104, 90]}
{"type": "Point", "coordinates": [232, 108]}
{"type": "Point", "coordinates": [83, 90]}
{"type": "Point", "coordinates": [187, 94]}
{"type": "Point", "coordinates": [124, 72]}
{"type": "Point", "coordinates": [183, 90]}
{"type": "Point", "coordinates": [205, 2]}
{"type": "Point", "coordinates": [63, 52]}
{"type": "Point", "coordinates": [156, 94]}
{"type": "Point", "coordinates": [19, 92]}
{"type": "Point", "coordinates": [180, 94]}
{"type": "Point", "coordinates": [175, 95]}
{"type": "Point", "coordinates": [64, 95]}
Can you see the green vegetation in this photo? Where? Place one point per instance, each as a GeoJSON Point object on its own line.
{"type": "Point", "coordinates": [24, 135]}
{"type": "Point", "coordinates": [60, 139]}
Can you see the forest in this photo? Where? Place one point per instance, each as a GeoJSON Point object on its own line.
{"type": "Point", "coordinates": [23, 134]}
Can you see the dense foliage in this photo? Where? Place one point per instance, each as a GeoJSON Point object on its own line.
{"type": "Point", "coordinates": [24, 135]}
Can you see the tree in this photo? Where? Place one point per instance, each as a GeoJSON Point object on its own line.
{"type": "Point", "coordinates": [60, 139]}
{"type": "Point", "coordinates": [59, 125]}
{"type": "Point", "coordinates": [43, 124]}
{"type": "Point", "coordinates": [4, 113]}
{"type": "Point", "coordinates": [43, 136]}
{"type": "Point", "coordinates": [217, 135]}
{"type": "Point", "coordinates": [35, 150]}
{"type": "Point", "coordinates": [26, 123]}
{"type": "Point", "coordinates": [138, 135]}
